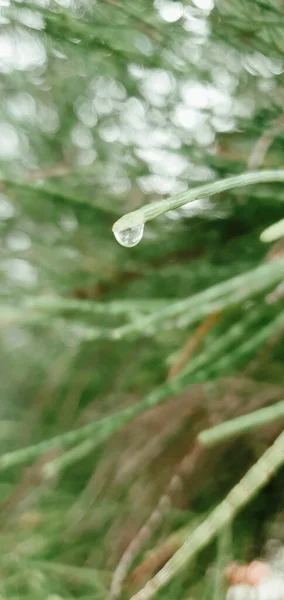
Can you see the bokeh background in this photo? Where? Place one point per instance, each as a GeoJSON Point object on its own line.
{"type": "Point", "coordinates": [107, 105]}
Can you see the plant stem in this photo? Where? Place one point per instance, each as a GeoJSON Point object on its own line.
{"type": "Point", "coordinates": [238, 497]}
{"type": "Point", "coordinates": [151, 211]}
{"type": "Point", "coordinates": [242, 424]}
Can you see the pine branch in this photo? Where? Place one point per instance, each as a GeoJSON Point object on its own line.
{"type": "Point", "coordinates": [241, 425]}
{"type": "Point", "coordinates": [256, 478]}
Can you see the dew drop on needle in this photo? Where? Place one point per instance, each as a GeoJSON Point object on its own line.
{"type": "Point", "coordinates": [129, 237]}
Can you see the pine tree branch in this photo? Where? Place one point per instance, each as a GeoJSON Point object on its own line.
{"type": "Point", "coordinates": [255, 479]}
{"type": "Point", "coordinates": [242, 425]}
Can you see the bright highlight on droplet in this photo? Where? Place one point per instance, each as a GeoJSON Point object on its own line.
{"type": "Point", "coordinates": [129, 237]}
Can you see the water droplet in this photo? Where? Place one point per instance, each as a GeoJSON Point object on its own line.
{"type": "Point", "coordinates": [129, 237]}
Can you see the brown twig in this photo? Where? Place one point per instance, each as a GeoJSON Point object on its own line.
{"type": "Point", "coordinates": [158, 557]}
{"type": "Point", "coordinates": [44, 173]}
{"type": "Point", "coordinates": [263, 143]}
{"type": "Point", "coordinates": [28, 490]}
{"type": "Point", "coordinates": [192, 343]}
{"type": "Point", "coordinates": [186, 466]}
